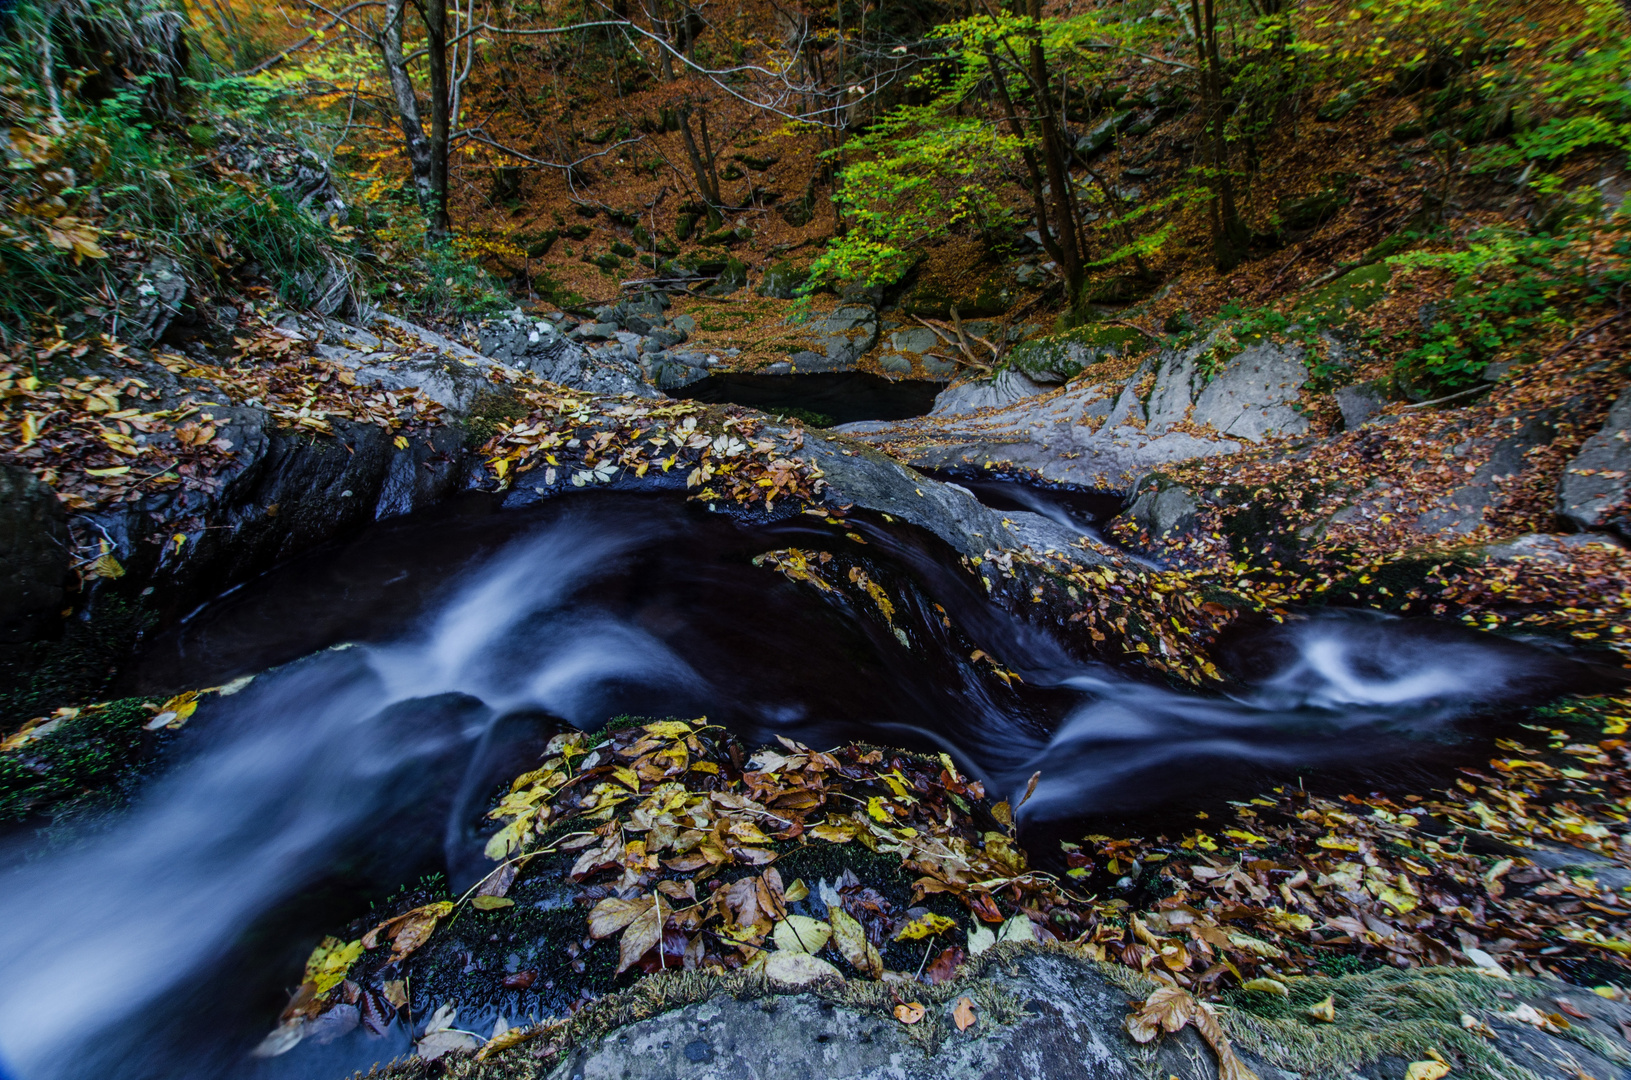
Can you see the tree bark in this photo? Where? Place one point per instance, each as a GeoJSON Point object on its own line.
{"type": "Point", "coordinates": [407, 108]}
{"type": "Point", "coordinates": [435, 14]}
{"type": "Point", "coordinates": [1229, 233]}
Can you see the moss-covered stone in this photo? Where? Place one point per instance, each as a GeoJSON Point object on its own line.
{"type": "Point", "coordinates": [1063, 356]}
{"type": "Point", "coordinates": [1354, 291]}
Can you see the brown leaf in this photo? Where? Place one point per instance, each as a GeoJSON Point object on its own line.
{"type": "Point", "coordinates": [963, 1014]}
{"type": "Point", "coordinates": [640, 935]}
{"type": "Point", "coordinates": [944, 967]}
{"type": "Point", "coordinates": [909, 1013]}
{"type": "Point", "coordinates": [611, 915]}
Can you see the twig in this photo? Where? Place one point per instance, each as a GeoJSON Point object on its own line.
{"type": "Point", "coordinates": [1451, 397]}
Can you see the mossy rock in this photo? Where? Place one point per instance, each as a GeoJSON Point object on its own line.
{"type": "Point", "coordinates": [782, 280]}
{"type": "Point", "coordinates": [757, 164]}
{"type": "Point", "coordinates": [579, 232]}
{"type": "Point", "coordinates": [1354, 291]}
{"type": "Point", "coordinates": [683, 226]}
{"type": "Point", "coordinates": [607, 261]}
{"type": "Point", "coordinates": [538, 245]}
{"type": "Point", "coordinates": [1059, 357]}
{"type": "Point", "coordinates": [620, 248]}
{"type": "Point", "coordinates": [732, 277]}
{"type": "Point", "coordinates": [585, 211]}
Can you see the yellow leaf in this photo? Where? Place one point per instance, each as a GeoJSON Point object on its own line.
{"type": "Point", "coordinates": [800, 933]}
{"type": "Point", "coordinates": [401, 442]}
{"type": "Point", "coordinates": [926, 925]}
{"type": "Point", "coordinates": [328, 963]}
{"type": "Point", "coordinates": [491, 903]}
{"type": "Point", "coordinates": [117, 470]}
{"type": "Point", "coordinates": [874, 807]}
{"type": "Point", "coordinates": [1325, 1011]}
{"type": "Point", "coordinates": [852, 944]}
{"type": "Point", "coordinates": [1426, 1070]}
{"type": "Point", "coordinates": [668, 729]}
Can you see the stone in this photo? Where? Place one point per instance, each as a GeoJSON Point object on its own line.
{"type": "Point", "coordinates": [895, 364]}
{"type": "Point", "coordinates": [1462, 510]}
{"type": "Point", "coordinates": [1252, 397]}
{"type": "Point", "coordinates": [1547, 547]}
{"type": "Point", "coordinates": [1060, 357]}
{"type": "Point", "coordinates": [1596, 483]}
{"type": "Point", "coordinates": [838, 339]}
{"type": "Point", "coordinates": [782, 281]}
{"type": "Point", "coordinates": [34, 561]}
{"type": "Point", "coordinates": [1062, 1019]}
{"type": "Point", "coordinates": [1007, 387]}
{"type": "Point", "coordinates": [1164, 509]}
{"type": "Point", "coordinates": [685, 324]}
{"type": "Point", "coordinates": [161, 290]}
{"type": "Point", "coordinates": [1359, 403]}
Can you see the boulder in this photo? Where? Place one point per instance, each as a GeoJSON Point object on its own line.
{"type": "Point", "coordinates": [839, 339]}
{"type": "Point", "coordinates": [1592, 495]}
{"type": "Point", "coordinates": [1060, 357]}
{"type": "Point", "coordinates": [1462, 510]}
{"type": "Point", "coordinates": [161, 289]}
{"type": "Point", "coordinates": [1252, 398]}
{"type": "Point", "coordinates": [1360, 402]}
{"type": "Point", "coordinates": [1007, 387]}
{"type": "Point", "coordinates": [1163, 508]}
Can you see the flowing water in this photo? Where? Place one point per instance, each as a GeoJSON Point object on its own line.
{"type": "Point", "coordinates": [422, 661]}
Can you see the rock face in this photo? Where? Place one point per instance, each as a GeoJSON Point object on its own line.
{"type": "Point", "coordinates": [537, 346]}
{"type": "Point", "coordinates": [1053, 1017]}
{"type": "Point", "coordinates": [1462, 510]}
{"type": "Point", "coordinates": [1597, 482]}
{"type": "Point", "coordinates": [1105, 434]}
{"type": "Point", "coordinates": [840, 339]}
{"type": "Point", "coordinates": [34, 560]}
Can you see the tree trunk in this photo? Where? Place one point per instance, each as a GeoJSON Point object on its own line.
{"type": "Point", "coordinates": [435, 13]}
{"type": "Point", "coordinates": [1229, 233]}
{"type": "Point", "coordinates": [407, 107]}
{"type": "Point", "coordinates": [703, 160]}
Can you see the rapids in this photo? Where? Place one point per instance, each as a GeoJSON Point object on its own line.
{"type": "Point", "coordinates": [414, 666]}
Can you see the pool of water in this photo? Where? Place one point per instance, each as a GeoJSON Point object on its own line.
{"type": "Point", "coordinates": [834, 397]}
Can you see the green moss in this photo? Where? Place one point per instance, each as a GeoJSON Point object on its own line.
{"type": "Point", "coordinates": [77, 667]}
{"type": "Point", "coordinates": [1354, 291]}
{"type": "Point", "coordinates": [1064, 355]}
{"type": "Point", "coordinates": [490, 410]}
{"type": "Point", "coordinates": [89, 763]}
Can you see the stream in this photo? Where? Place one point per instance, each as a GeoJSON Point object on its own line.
{"type": "Point", "coordinates": [418, 665]}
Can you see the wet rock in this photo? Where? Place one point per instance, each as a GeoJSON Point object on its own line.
{"type": "Point", "coordinates": [1163, 508]}
{"type": "Point", "coordinates": [34, 563]}
{"type": "Point", "coordinates": [868, 478]}
{"type": "Point", "coordinates": [1597, 481]}
{"type": "Point", "coordinates": [535, 346]}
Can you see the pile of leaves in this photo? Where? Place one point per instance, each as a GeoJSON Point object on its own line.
{"type": "Point", "coordinates": [673, 841]}
{"type": "Point", "coordinates": [128, 428]}
{"type": "Point", "coordinates": [724, 453]}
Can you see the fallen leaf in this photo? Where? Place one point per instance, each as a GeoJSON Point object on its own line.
{"type": "Point", "coordinates": [925, 925]}
{"type": "Point", "coordinates": [1325, 1011]}
{"type": "Point", "coordinates": [491, 903]}
{"type": "Point", "coordinates": [1426, 1070]}
{"type": "Point", "coordinates": [980, 938]}
{"type": "Point", "coordinates": [1018, 928]}
{"type": "Point", "coordinates": [963, 1014]}
{"type": "Point", "coordinates": [909, 1013]}
{"type": "Point", "coordinates": [850, 940]}
{"type": "Point", "coordinates": [798, 969]}
{"type": "Point", "coordinates": [800, 933]}
{"type": "Point", "coordinates": [1266, 986]}
{"type": "Point", "coordinates": [640, 936]}
{"type": "Point", "coordinates": [943, 968]}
